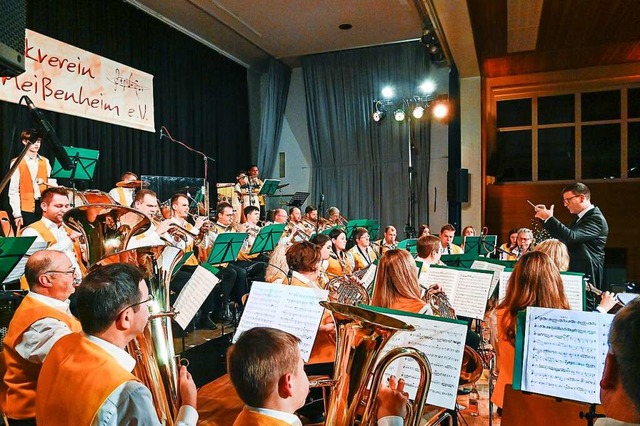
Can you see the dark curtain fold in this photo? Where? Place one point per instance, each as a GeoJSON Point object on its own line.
{"type": "Point", "coordinates": [273, 108]}
{"type": "Point", "coordinates": [359, 165]}
{"type": "Point", "coordinates": [199, 95]}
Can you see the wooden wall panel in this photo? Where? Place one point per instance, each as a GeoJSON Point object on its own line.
{"type": "Point", "coordinates": [506, 207]}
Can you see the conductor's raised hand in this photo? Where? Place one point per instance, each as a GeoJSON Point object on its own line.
{"type": "Point", "coordinates": [544, 213]}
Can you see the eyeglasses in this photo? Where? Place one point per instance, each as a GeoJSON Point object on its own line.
{"type": "Point", "coordinates": [142, 302]}
{"type": "Point", "coordinates": [72, 272]}
{"type": "Point", "coordinates": [566, 200]}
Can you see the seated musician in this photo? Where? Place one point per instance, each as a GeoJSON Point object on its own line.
{"type": "Point", "coordinates": [447, 232]}
{"type": "Point", "coordinates": [86, 378]}
{"type": "Point", "coordinates": [334, 218]}
{"type": "Point", "coordinates": [146, 202]}
{"type": "Point", "coordinates": [255, 262]}
{"type": "Point", "coordinates": [363, 254]}
{"type": "Point", "coordinates": [388, 241]}
{"type": "Point", "coordinates": [506, 249]}
{"type": "Point", "coordinates": [620, 384]}
{"type": "Point", "coordinates": [42, 318]}
{"type": "Point", "coordinates": [296, 229]}
{"type": "Point", "coordinates": [341, 262]}
{"type": "Point", "coordinates": [324, 242]}
{"type": "Point", "coordinates": [429, 252]}
{"type": "Point", "coordinates": [424, 231]}
{"type": "Point", "coordinates": [51, 229]}
{"type": "Point", "coordinates": [280, 216]}
{"type": "Point", "coordinates": [524, 242]}
{"type": "Point", "coordinates": [535, 281]}
{"type": "Point", "coordinates": [268, 374]}
{"type": "Point", "coordinates": [124, 196]}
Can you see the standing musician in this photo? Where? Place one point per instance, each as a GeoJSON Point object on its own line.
{"type": "Point", "coordinates": [51, 229]}
{"type": "Point", "coordinates": [341, 262]}
{"type": "Point", "coordinates": [124, 196]}
{"type": "Point", "coordinates": [363, 254]}
{"type": "Point", "coordinates": [42, 318]}
{"type": "Point", "coordinates": [146, 202]}
{"type": "Point", "coordinates": [585, 237]}
{"type": "Point", "coordinates": [28, 181]}
{"type": "Point", "coordinates": [86, 378]}
{"type": "Point", "coordinates": [256, 183]}
{"type": "Point", "coordinates": [447, 232]}
{"type": "Point", "coordinates": [388, 241]}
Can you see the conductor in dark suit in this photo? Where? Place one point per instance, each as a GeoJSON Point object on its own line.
{"type": "Point", "coordinates": [585, 237]}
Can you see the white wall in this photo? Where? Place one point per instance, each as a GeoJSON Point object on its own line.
{"type": "Point", "coordinates": [470, 119]}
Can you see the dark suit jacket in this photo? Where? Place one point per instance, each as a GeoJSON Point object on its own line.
{"type": "Point", "coordinates": [585, 241]}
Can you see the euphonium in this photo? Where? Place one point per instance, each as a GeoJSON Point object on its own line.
{"type": "Point", "coordinates": [103, 230]}
{"type": "Point", "coordinates": [361, 334]}
{"type": "Point", "coordinates": [153, 349]}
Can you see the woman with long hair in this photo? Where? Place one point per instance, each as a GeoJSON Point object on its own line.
{"type": "Point", "coordinates": [324, 242]}
{"type": "Point", "coordinates": [341, 262]}
{"type": "Point", "coordinates": [535, 281]}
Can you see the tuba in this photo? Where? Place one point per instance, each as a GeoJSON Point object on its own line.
{"type": "Point", "coordinates": [104, 227]}
{"type": "Point", "coordinates": [153, 349]}
{"type": "Point", "coordinates": [361, 334]}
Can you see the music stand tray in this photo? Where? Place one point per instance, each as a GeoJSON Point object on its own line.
{"type": "Point", "coordinates": [84, 164]}
{"type": "Point", "coordinates": [267, 239]}
{"type": "Point", "coordinates": [409, 245]}
{"type": "Point", "coordinates": [269, 187]}
{"type": "Point", "coordinates": [12, 250]}
{"type": "Point", "coordinates": [353, 224]}
{"type": "Point", "coordinates": [180, 263]}
{"type": "Point", "coordinates": [328, 230]}
{"type": "Point", "coordinates": [298, 199]}
{"type": "Point", "coordinates": [373, 226]}
{"type": "Point", "coordinates": [226, 247]}
{"type": "Point", "coordinates": [481, 245]}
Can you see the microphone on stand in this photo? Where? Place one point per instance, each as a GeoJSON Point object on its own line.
{"type": "Point", "coordinates": [50, 135]}
{"type": "Point", "coordinates": [161, 133]}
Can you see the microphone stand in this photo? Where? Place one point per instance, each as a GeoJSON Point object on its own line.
{"type": "Point", "coordinates": [165, 132]}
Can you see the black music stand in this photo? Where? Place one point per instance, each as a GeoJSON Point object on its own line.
{"type": "Point", "coordinates": [409, 245]}
{"type": "Point", "coordinates": [298, 199]}
{"type": "Point", "coordinates": [84, 166]}
{"type": "Point", "coordinates": [267, 239]}
{"type": "Point", "coordinates": [226, 247]}
{"type": "Point", "coordinates": [12, 250]}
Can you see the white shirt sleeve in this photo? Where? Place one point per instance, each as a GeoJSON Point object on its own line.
{"type": "Point", "coordinates": [39, 338]}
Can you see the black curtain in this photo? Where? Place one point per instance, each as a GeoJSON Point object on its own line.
{"type": "Point", "coordinates": [199, 95]}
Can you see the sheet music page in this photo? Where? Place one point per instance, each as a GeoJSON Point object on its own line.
{"type": "Point", "coordinates": [446, 278]}
{"type": "Point", "coordinates": [293, 309]}
{"type": "Point", "coordinates": [504, 282]}
{"type": "Point", "coordinates": [18, 270]}
{"type": "Point", "coordinates": [470, 298]}
{"type": "Point", "coordinates": [573, 290]}
{"type": "Point", "coordinates": [489, 266]}
{"type": "Point", "coordinates": [564, 352]}
{"type": "Point", "coordinates": [443, 344]}
{"type": "Point", "coordinates": [193, 294]}
{"type": "Point", "coordinates": [369, 276]}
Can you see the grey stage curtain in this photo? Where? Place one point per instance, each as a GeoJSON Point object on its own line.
{"type": "Point", "coordinates": [361, 166]}
{"type": "Point", "coordinates": [273, 107]}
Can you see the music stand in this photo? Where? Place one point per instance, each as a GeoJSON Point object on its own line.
{"type": "Point", "coordinates": [267, 239]}
{"type": "Point", "coordinates": [353, 224]}
{"type": "Point", "coordinates": [180, 263]}
{"type": "Point", "coordinates": [269, 187]}
{"type": "Point", "coordinates": [480, 244]}
{"type": "Point", "coordinates": [84, 166]}
{"type": "Point", "coordinates": [226, 247]}
{"type": "Point", "coordinates": [298, 199]}
{"type": "Point", "coordinates": [409, 245]}
{"type": "Point", "coordinates": [12, 250]}
{"type": "Point", "coordinates": [373, 226]}
{"type": "Point", "coordinates": [328, 230]}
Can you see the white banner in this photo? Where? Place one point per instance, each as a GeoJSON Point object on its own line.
{"type": "Point", "coordinates": [62, 78]}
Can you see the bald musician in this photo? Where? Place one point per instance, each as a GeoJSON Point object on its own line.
{"type": "Point", "coordinates": [86, 378]}
{"type": "Point", "coordinates": [41, 320]}
{"type": "Point", "coordinates": [267, 371]}
{"type": "Point", "coordinates": [124, 196]}
{"type": "Point", "coordinates": [279, 216]}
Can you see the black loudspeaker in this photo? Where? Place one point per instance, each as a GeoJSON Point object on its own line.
{"type": "Point", "coordinates": [13, 22]}
{"type": "Point", "coordinates": [458, 186]}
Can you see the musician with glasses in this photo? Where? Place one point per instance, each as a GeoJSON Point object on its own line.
{"type": "Point", "coordinates": [524, 243]}
{"type": "Point", "coordinates": [268, 374]}
{"type": "Point", "coordinates": [42, 318]}
{"type": "Point", "coordinates": [86, 378]}
{"type": "Point", "coordinates": [363, 254]}
{"type": "Point", "coordinates": [585, 236]}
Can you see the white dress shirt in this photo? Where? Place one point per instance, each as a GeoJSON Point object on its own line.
{"type": "Point", "coordinates": [14, 185]}
{"type": "Point", "coordinates": [63, 244]}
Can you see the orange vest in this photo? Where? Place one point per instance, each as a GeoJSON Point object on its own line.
{"type": "Point", "coordinates": [27, 201]}
{"type": "Point", "coordinates": [76, 379]}
{"type": "Point", "coordinates": [48, 236]}
{"type": "Point", "coordinates": [250, 418]}
{"type": "Point", "coordinates": [21, 375]}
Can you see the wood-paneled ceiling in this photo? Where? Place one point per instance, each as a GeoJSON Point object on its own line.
{"type": "Point", "coordinates": [571, 34]}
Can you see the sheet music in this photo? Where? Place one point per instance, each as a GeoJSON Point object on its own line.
{"type": "Point", "coordinates": [193, 294]}
{"type": "Point", "coordinates": [293, 309]}
{"type": "Point", "coordinates": [572, 283]}
{"type": "Point", "coordinates": [18, 270]}
{"type": "Point", "coordinates": [489, 266]}
{"type": "Point", "coordinates": [443, 344]}
{"type": "Point", "coordinates": [564, 353]}
{"type": "Point", "coordinates": [369, 276]}
{"type": "Point", "coordinates": [466, 289]}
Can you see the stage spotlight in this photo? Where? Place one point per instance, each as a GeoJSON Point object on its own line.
{"type": "Point", "coordinates": [440, 110]}
{"type": "Point", "coordinates": [428, 87]}
{"type": "Point", "coordinates": [378, 116]}
{"type": "Point", "coordinates": [387, 92]}
{"type": "Point", "coordinates": [418, 112]}
{"type": "Point", "coordinates": [399, 115]}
